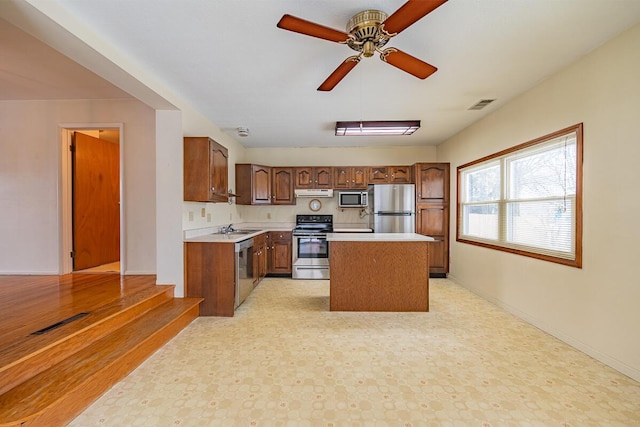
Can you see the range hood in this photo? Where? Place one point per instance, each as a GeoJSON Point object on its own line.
{"type": "Point", "coordinates": [314, 193]}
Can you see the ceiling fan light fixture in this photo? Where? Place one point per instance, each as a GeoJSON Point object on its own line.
{"type": "Point", "coordinates": [377, 128]}
{"type": "Point", "coordinates": [363, 30]}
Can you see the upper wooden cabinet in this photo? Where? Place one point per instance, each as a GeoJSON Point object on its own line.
{"type": "Point", "coordinates": [253, 184]}
{"type": "Point", "coordinates": [350, 177]}
{"type": "Point", "coordinates": [390, 175]}
{"type": "Point", "coordinates": [432, 182]}
{"type": "Point", "coordinates": [282, 186]}
{"type": "Point", "coordinates": [205, 170]}
{"type": "Point", "coordinates": [314, 177]}
{"type": "Point", "coordinates": [264, 185]}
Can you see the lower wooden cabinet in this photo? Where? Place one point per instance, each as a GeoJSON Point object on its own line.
{"type": "Point", "coordinates": [280, 253]}
{"type": "Point", "coordinates": [210, 274]}
{"type": "Point", "coordinates": [433, 221]}
{"type": "Point", "coordinates": [260, 257]}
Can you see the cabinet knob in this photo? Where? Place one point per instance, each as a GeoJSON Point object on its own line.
{"type": "Point", "coordinates": [213, 189]}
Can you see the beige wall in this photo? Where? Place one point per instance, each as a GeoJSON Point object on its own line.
{"type": "Point", "coordinates": [30, 162]}
{"type": "Point", "coordinates": [594, 308]}
{"type": "Point", "coordinates": [348, 156]}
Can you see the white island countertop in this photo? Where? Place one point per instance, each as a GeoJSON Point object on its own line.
{"type": "Point", "coordinates": [378, 237]}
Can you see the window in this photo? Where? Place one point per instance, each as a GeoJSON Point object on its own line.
{"type": "Point", "coordinates": [526, 199]}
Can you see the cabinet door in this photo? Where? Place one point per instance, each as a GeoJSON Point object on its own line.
{"type": "Point", "coordinates": [400, 175]}
{"type": "Point", "coordinates": [323, 177]}
{"type": "Point", "coordinates": [378, 175]}
{"type": "Point", "coordinates": [264, 262]}
{"type": "Point", "coordinates": [218, 170]}
{"type": "Point", "coordinates": [432, 182]}
{"type": "Point", "coordinates": [304, 177]}
{"type": "Point", "coordinates": [342, 177]}
{"type": "Point", "coordinates": [359, 177]}
{"type": "Point", "coordinates": [261, 191]}
{"type": "Point", "coordinates": [280, 253]}
{"type": "Point", "coordinates": [282, 186]}
{"type": "Point", "coordinates": [433, 221]}
{"type": "Point", "coordinates": [205, 170]}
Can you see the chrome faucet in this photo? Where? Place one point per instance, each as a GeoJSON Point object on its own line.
{"type": "Point", "coordinates": [227, 229]}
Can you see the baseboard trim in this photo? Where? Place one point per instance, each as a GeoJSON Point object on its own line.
{"type": "Point", "coordinates": [29, 273]}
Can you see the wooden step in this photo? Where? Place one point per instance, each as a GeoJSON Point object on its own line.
{"type": "Point", "coordinates": [31, 354]}
{"type": "Point", "coordinates": [58, 394]}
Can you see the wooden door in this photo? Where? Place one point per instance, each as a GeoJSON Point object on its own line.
{"type": "Point", "coordinates": [218, 170]}
{"type": "Point", "coordinates": [378, 175]}
{"type": "Point", "coordinates": [304, 178]}
{"type": "Point", "coordinates": [359, 177]}
{"type": "Point", "coordinates": [342, 177]}
{"type": "Point", "coordinates": [261, 191]}
{"type": "Point", "coordinates": [280, 252]}
{"type": "Point", "coordinates": [400, 174]}
{"type": "Point", "coordinates": [323, 177]}
{"type": "Point", "coordinates": [96, 201]}
{"type": "Point", "coordinates": [433, 221]}
{"type": "Point", "coordinates": [282, 186]}
{"type": "Point", "coordinates": [432, 182]}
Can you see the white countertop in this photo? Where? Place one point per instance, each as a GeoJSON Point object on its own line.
{"type": "Point", "coordinates": [378, 237]}
{"type": "Point", "coordinates": [223, 238]}
{"type": "Point", "coordinates": [211, 234]}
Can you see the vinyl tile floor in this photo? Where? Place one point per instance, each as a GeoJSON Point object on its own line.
{"type": "Point", "coordinates": [286, 360]}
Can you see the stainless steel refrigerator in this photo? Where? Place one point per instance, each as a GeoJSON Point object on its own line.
{"type": "Point", "coordinates": [392, 208]}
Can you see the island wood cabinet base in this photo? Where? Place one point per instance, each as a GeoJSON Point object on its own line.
{"type": "Point", "coordinates": [378, 276]}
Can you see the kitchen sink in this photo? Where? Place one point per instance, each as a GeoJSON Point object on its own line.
{"type": "Point", "coordinates": [238, 232]}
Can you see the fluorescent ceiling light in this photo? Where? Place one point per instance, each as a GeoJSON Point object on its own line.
{"type": "Point", "coordinates": [369, 128]}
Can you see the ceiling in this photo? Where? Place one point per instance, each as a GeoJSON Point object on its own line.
{"type": "Point", "coordinates": [228, 59]}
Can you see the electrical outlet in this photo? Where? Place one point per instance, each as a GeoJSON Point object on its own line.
{"type": "Point", "coordinates": [268, 215]}
{"type": "Point", "coordinates": [203, 212]}
{"type": "Point", "coordinates": [190, 216]}
{"type": "Point", "coordinates": [208, 217]}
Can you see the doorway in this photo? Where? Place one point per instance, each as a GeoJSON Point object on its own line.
{"type": "Point", "coordinates": [92, 194]}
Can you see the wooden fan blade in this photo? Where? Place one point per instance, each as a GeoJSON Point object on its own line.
{"type": "Point", "coordinates": [409, 13]}
{"type": "Point", "coordinates": [408, 63]}
{"type": "Point", "coordinates": [339, 73]}
{"type": "Point", "coordinates": [297, 25]}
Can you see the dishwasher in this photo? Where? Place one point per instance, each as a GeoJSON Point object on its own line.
{"type": "Point", "coordinates": [244, 270]}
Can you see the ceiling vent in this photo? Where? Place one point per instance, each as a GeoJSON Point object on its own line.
{"type": "Point", "coordinates": [481, 104]}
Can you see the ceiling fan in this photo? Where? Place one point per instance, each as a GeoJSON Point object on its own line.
{"type": "Point", "coordinates": [367, 32]}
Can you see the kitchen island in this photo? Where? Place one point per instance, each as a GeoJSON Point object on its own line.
{"type": "Point", "coordinates": [378, 272]}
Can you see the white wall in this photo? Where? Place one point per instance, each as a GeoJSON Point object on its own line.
{"type": "Point", "coordinates": [30, 158]}
{"type": "Point", "coordinates": [594, 308]}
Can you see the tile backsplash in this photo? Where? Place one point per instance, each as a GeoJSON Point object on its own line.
{"type": "Point", "coordinates": [201, 215]}
{"type": "Point", "coordinates": [287, 213]}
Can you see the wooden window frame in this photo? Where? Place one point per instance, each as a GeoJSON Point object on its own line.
{"type": "Point", "coordinates": [577, 236]}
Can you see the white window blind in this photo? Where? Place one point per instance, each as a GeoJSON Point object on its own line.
{"type": "Point", "coordinates": [525, 199]}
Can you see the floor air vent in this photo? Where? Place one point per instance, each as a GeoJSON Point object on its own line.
{"type": "Point", "coordinates": [60, 323]}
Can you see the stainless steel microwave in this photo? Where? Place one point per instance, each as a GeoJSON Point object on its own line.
{"type": "Point", "coordinates": [352, 199]}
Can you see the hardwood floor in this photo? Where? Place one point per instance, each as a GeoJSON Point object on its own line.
{"type": "Point", "coordinates": [30, 303]}
{"type": "Point", "coordinates": [64, 340]}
